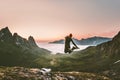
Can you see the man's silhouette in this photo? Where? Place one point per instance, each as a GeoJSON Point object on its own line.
{"type": "Point", "coordinates": [68, 39]}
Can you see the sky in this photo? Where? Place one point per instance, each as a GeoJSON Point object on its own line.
{"type": "Point", "coordinates": [49, 20]}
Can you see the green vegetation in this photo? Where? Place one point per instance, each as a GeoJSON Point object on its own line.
{"type": "Point", "coordinates": [16, 51]}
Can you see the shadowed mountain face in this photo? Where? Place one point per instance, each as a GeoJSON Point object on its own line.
{"type": "Point", "coordinates": [18, 40]}
{"type": "Point", "coordinates": [89, 41]}
{"type": "Point", "coordinates": [112, 48]}
{"type": "Point", "coordinates": [18, 51]}
{"type": "Point", "coordinates": [103, 58]}
{"type": "Point", "coordinates": [5, 35]}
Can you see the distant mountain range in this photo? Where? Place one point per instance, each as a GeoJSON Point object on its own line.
{"type": "Point", "coordinates": [103, 59]}
{"type": "Point", "coordinates": [88, 41]}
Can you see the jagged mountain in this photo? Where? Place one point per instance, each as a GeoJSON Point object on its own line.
{"type": "Point", "coordinates": [18, 51]}
{"type": "Point", "coordinates": [6, 36]}
{"type": "Point", "coordinates": [24, 43]}
{"type": "Point", "coordinates": [88, 41]}
{"type": "Point", "coordinates": [112, 47]}
{"type": "Point", "coordinates": [31, 41]}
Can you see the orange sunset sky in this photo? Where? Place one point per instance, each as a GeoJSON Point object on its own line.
{"type": "Point", "coordinates": [49, 20]}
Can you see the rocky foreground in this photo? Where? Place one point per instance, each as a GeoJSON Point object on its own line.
{"type": "Point", "coordinates": [21, 73]}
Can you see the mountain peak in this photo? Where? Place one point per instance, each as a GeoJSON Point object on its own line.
{"type": "Point", "coordinates": [15, 34]}
{"type": "Point", "coordinates": [5, 30]}
{"type": "Point", "coordinates": [31, 41]}
{"type": "Point", "coordinates": [30, 37]}
{"type": "Point", "coordinates": [117, 37]}
{"type": "Point", "coordinates": [5, 35]}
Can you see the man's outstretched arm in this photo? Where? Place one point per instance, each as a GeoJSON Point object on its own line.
{"type": "Point", "coordinates": [74, 43]}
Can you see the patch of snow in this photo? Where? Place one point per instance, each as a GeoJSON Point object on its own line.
{"type": "Point", "coordinates": [45, 71]}
{"type": "Point", "coordinates": [17, 43]}
{"type": "Point", "coordinates": [117, 62]}
{"type": "Point", "coordinates": [1, 34]}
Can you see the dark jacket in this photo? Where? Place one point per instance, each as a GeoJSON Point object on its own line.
{"type": "Point", "coordinates": [67, 44]}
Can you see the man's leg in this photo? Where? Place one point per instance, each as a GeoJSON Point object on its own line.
{"type": "Point", "coordinates": [67, 50]}
{"type": "Point", "coordinates": [73, 48]}
{"type": "Point", "coordinates": [70, 50]}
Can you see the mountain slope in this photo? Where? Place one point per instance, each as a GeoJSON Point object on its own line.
{"type": "Point", "coordinates": [18, 51]}
{"type": "Point", "coordinates": [103, 59]}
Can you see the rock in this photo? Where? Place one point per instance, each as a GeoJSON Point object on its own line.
{"type": "Point", "coordinates": [45, 71]}
{"type": "Point", "coordinates": [70, 77]}
{"type": "Point", "coordinates": [21, 73]}
{"type": "Point", "coordinates": [5, 35]}
{"type": "Point", "coordinates": [31, 41]}
{"type": "Point", "coordinates": [34, 70]}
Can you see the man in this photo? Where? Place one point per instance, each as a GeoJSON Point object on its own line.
{"type": "Point", "coordinates": [68, 39]}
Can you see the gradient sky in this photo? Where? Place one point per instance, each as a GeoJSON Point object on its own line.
{"type": "Point", "coordinates": [54, 19]}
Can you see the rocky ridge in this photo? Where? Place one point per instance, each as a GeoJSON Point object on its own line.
{"type": "Point", "coordinates": [7, 37]}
